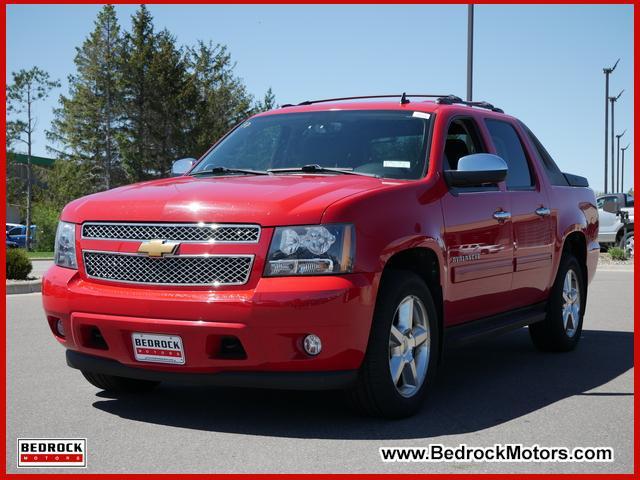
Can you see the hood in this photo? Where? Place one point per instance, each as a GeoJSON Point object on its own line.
{"type": "Point", "coordinates": [266, 200]}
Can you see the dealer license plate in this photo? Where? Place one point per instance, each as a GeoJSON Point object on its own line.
{"type": "Point", "coordinates": [149, 347]}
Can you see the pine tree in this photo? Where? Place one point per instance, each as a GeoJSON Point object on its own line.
{"type": "Point", "coordinates": [168, 103]}
{"type": "Point", "coordinates": [221, 99]}
{"type": "Point", "coordinates": [268, 103]}
{"type": "Point", "coordinates": [137, 57]}
{"type": "Point", "coordinates": [138, 101]}
{"type": "Point", "coordinates": [27, 88]}
{"type": "Point", "coordinates": [87, 121]}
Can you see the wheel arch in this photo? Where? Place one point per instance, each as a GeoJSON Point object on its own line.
{"type": "Point", "coordinates": [424, 262]}
{"type": "Point", "coordinates": [575, 243]}
{"type": "Point", "coordinates": [621, 232]}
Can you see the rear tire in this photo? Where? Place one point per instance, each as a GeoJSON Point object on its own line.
{"type": "Point", "coordinates": [115, 384]}
{"type": "Point", "coordinates": [561, 329]}
{"type": "Point", "coordinates": [404, 342]}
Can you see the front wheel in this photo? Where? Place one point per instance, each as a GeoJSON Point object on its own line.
{"type": "Point", "coordinates": [626, 243]}
{"type": "Point", "coordinates": [560, 330]}
{"type": "Point", "coordinates": [403, 349]}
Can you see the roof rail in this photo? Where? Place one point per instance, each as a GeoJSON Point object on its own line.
{"type": "Point", "coordinates": [451, 99]}
{"type": "Point", "coordinates": [403, 98]}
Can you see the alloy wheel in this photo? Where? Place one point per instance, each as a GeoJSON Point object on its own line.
{"type": "Point", "coordinates": [409, 346]}
{"type": "Point", "coordinates": [571, 303]}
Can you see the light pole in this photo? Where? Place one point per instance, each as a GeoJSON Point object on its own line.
{"type": "Point", "coordinates": [622, 182]}
{"type": "Point", "coordinates": [613, 101]}
{"type": "Point", "coordinates": [470, 52]}
{"type": "Point", "coordinates": [607, 72]}
{"type": "Point", "coordinates": [618, 161]}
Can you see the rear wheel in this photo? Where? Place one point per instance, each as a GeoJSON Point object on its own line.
{"type": "Point", "coordinates": [403, 349]}
{"type": "Point", "coordinates": [115, 384]}
{"type": "Point", "coordinates": [560, 330]}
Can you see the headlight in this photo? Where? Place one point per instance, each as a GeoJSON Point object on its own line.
{"type": "Point", "coordinates": [65, 248]}
{"type": "Point", "coordinates": [311, 250]}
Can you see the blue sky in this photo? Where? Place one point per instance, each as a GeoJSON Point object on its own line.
{"type": "Point", "coordinates": [541, 63]}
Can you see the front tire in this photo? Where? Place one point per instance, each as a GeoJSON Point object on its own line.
{"type": "Point", "coordinates": [111, 383]}
{"type": "Point", "coordinates": [561, 329]}
{"type": "Point", "coordinates": [403, 349]}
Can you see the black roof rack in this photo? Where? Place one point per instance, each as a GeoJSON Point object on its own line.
{"type": "Point", "coordinates": [404, 98]}
{"type": "Point", "coordinates": [451, 99]}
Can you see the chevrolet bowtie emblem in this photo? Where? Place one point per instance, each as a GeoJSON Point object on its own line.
{"type": "Point", "coordinates": [157, 248]}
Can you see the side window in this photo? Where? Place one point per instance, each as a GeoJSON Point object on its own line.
{"type": "Point", "coordinates": [509, 147]}
{"type": "Point", "coordinates": [609, 204]}
{"type": "Point", "coordinates": [462, 139]}
{"type": "Point", "coordinates": [556, 177]}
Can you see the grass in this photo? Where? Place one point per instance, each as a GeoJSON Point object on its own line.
{"type": "Point", "coordinates": [617, 253]}
{"type": "Point", "coordinates": [36, 255]}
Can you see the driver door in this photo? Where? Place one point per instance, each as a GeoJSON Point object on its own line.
{"type": "Point", "coordinates": [478, 236]}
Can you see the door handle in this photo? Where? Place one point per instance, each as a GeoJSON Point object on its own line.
{"type": "Point", "coordinates": [501, 215]}
{"type": "Point", "coordinates": [543, 212]}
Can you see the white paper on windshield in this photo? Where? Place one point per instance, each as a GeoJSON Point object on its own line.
{"type": "Point", "coordinates": [396, 164]}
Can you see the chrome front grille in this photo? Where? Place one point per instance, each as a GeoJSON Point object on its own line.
{"type": "Point", "coordinates": [168, 270]}
{"type": "Point", "coordinates": [182, 232]}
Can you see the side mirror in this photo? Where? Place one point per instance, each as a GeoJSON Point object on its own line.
{"type": "Point", "coordinates": [182, 166]}
{"type": "Point", "coordinates": [477, 169]}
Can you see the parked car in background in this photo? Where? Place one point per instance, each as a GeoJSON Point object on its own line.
{"type": "Point", "coordinates": [616, 221]}
{"type": "Point", "coordinates": [18, 235]}
{"type": "Point", "coordinates": [12, 225]}
{"type": "Point", "coordinates": [327, 245]}
{"type": "Point", "coordinates": [10, 244]}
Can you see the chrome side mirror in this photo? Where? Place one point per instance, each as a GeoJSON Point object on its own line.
{"type": "Point", "coordinates": [182, 166]}
{"type": "Point", "coordinates": [477, 169]}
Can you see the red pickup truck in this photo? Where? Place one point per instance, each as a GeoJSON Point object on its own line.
{"type": "Point", "coordinates": [327, 245]}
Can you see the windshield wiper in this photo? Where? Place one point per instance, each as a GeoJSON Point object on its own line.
{"type": "Point", "coordinates": [225, 170]}
{"type": "Point", "coordinates": [315, 168]}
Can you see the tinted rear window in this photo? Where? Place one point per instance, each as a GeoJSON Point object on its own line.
{"type": "Point", "coordinates": [554, 174]}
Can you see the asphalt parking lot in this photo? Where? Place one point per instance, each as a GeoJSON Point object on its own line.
{"type": "Point", "coordinates": [499, 391]}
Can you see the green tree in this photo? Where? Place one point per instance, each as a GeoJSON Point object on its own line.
{"type": "Point", "coordinates": [87, 121]}
{"type": "Point", "coordinates": [221, 99]}
{"type": "Point", "coordinates": [138, 101]}
{"type": "Point", "coordinates": [27, 88]}
{"type": "Point", "coordinates": [64, 182]}
{"type": "Point", "coordinates": [46, 216]}
{"type": "Point", "coordinates": [59, 185]}
{"type": "Point", "coordinates": [137, 57]}
{"type": "Point", "coordinates": [168, 135]}
{"type": "Point", "coordinates": [268, 103]}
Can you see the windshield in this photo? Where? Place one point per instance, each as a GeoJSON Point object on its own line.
{"type": "Point", "coordinates": [389, 144]}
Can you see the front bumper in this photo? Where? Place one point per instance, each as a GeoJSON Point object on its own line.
{"type": "Point", "coordinates": [607, 237]}
{"type": "Point", "coordinates": [269, 320]}
{"type": "Point", "coordinates": [279, 380]}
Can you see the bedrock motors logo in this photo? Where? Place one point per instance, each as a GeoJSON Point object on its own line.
{"type": "Point", "coordinates": [52, 452]}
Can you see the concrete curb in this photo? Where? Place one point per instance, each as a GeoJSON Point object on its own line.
{"type": "Point", "coordinates": [15, 287]}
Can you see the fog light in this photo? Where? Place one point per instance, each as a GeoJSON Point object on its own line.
{"type": "Point", "coordinates": [312, 344]}
{"type": "Point", "coordinates": [60, 328]}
